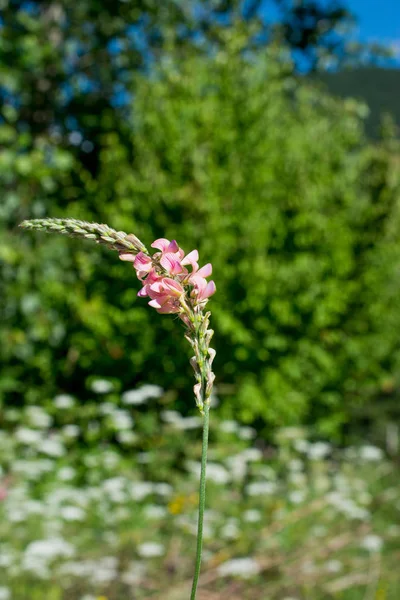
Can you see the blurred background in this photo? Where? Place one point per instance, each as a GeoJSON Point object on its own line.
{"type": "Point", "coordinates": [265, 134]}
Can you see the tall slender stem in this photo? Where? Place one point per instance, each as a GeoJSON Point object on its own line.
{"type": "Point", "coordinates": [202, 500]}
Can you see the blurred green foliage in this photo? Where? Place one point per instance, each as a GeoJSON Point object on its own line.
{"type": "Point", "coordinates": [275, 183]}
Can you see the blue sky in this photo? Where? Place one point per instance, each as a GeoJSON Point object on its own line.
{"type": "Point", "coordinates": [378, 21]}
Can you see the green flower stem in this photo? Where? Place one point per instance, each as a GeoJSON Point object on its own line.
{"type": "Point", "coordinates": [202, 499]}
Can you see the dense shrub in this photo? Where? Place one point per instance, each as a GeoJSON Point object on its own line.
{"type": "Point", "coordinates": [276, 184]}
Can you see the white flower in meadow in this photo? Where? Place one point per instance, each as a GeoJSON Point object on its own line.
{"type": "Point", "coordinates": [370, 453]}
{"type": "Point", "coordinates": [347, 506]}
{"type": "Point", "coordinates": [101, 386]}
{"type": "Point", "coordinates": [153, 511]}
{"type": "Point", "coordinates": [122, 420]}
{"type": "Point", "coordinates": [152, 391]}
{"type": "Point", "coordinates": [301, 445]}
{"type": "Point", "coordinates": [215, 472]}
{"type": "Point", "coordinates": [33, 469]}
{"type": "Point", "coordinates": [239, 567]}
{"type": "Point", "coordinates": [296, 478]}
{"type": "Point", "coordinates": [16, 515]}
{"type": "Point", "coordinates": [71, 431]}
{"type": "Point", "coordinates": [72, 513]}
{"type": "Point", "coordinates": [188, 423]}
{"type": "Point", "coordinates": [295, 465]}
{"type": "Point", "coordinates": [115, 488]}
{"type": "Point", "coordinates": [163, 489]}
{"type": "Point", "coordinates": [110, 459]}
{"type": "Point", "coordinates": [106, 408]}
{"type": "Point", "coordinates": [134, 573]}
{"type": "Point", "coordinates": [261, 488]}
{"type": "Point", "coordinates": [64, 401]}
{"type": "Point", "coordinates": [7, 556]}
{"type": "Point", "coordinates": [66, 473]}
{"type": "Point", "coordinates": [24, 435]}
{"type": "Point", "coordinates": [104, 570]}
{"type": "Point", "coordinates": [297, 497]}
{"type": "Point", "coordinates": [333, 566]}
{"type": "Point", "coordinates": [127, 437]}
{"type": "Point", "coordinates": [39, 554]}
{"type": "Point", "coordinates": [229, 426]}
{"type": "Point", "coordinates": [252, 454]}
{"type": "Point", "coordinates": [230, 531]}
{"type": "Point", "coordinates": [140, 489]}
{"type": "Point", "coordinates": [237, 466]}
{"type": "Point", "coordinates": [52, 447]}
{"type": "Point", "coordinates": [142, 394]}
{"type": "Point", "coordinates": [318, 451]}
{"type": "Point", "coordinates": [171, 416]}
{"type": "Point", "coordinates": [5, 593]}
{"type": "Point", "coordinates": [372, 543]}
{"type": "Point", "coordinates": [247, 433]}
{"type": "Point", "coordinates": [150, 550]}
{"type": "Point", "coordinates": [34, 507]}
{"type": "Point", "coordinates": [38, 417]}
{"type": "Point", "coordinates": [252, 516]}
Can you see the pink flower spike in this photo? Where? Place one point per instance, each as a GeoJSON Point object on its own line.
{"type": "Point", "coordinates": [143, 262]}
{"type": "Point", "coordinates": [127, 256]}
{"type": "Point", "coordinates": [171, 264]}
{"type": "Point", "coordinates": [205, 271]}
{"type": "Point", "coordinates": [161, 244]}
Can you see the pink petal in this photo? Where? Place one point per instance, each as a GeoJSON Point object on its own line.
{"type": "Point", "coordinates": [157, 287]}
{"type": "Point", "coordinates": [143, 262]}
{"type": "Point", "coordinates": [154, 304]}
{"type": "Point", "coordinates": [161, 244]}
{"type": "Point", "coordinates": [152, 277]}
{"type": "Point", "coordinates": [205, 271]}
{"type": "Point", "coordinates": [198, 281]}
{"type": "Point", "coordinates": [173, 246]}
{"type": "Point", "coordinates": [143, 292]}
{"type": "Point", "coordinates": [209, 290]}
{"type": "Point", "coordinates": [191, 258]}
{"type": "Point", "coordinates": [171, 264]}
{"type": "Point", "coordinates": [128, 256]}
{"type": "Point", "coordinates": [168, 308]}
{"type": "Point", "coordinates": [174, 288]}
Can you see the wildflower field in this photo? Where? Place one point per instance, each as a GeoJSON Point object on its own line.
{"type": "Point", "coordinates": [99, 501]}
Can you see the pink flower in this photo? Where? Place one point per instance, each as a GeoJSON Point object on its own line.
{"type": "Point", "coordinates": [143, 265]}
{"type": "Point", "coordinates": [201, 289]}
{"type": "Point", "coordinates": [171, 263]}
{"type": "Point", "coordinates": [165, 294]}
{"type": "Point", "coordinates": [165, 245]}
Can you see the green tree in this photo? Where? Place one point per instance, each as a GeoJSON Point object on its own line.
{"type": "Point", "coordinates": [275, 183]}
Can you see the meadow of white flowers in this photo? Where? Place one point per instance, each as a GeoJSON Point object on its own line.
{"type": "Point", "coordinates": [99, 500]}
